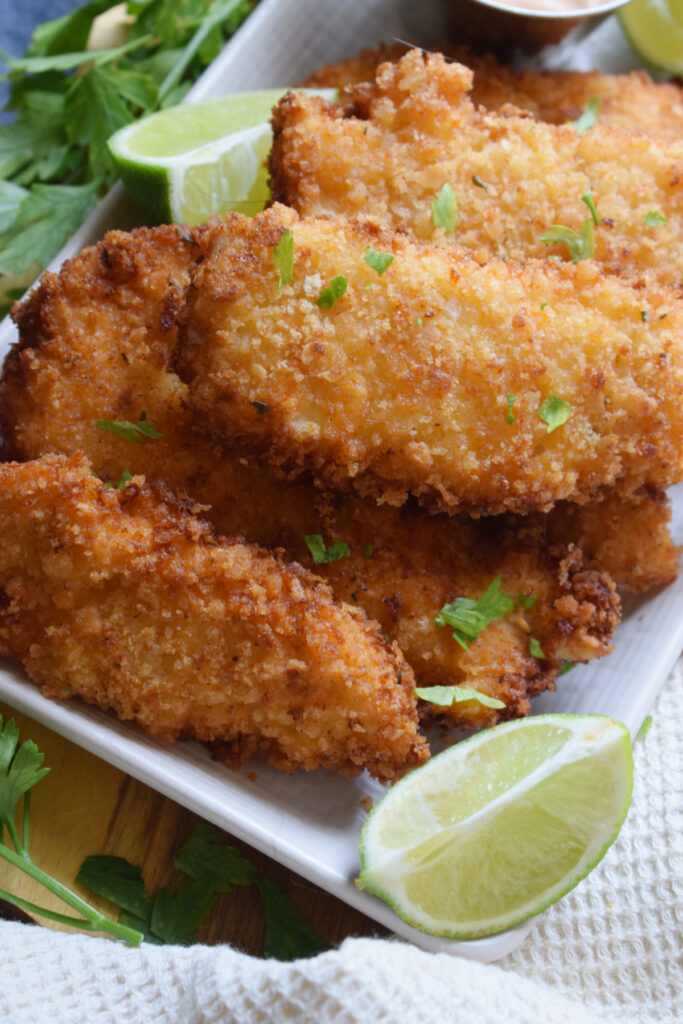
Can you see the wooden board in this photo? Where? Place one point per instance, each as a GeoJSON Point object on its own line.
{"type": "Point", "coordinates": [86, 806]}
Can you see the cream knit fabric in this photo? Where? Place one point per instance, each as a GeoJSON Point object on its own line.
{"type": "Point", "coordinates": [610, 951]}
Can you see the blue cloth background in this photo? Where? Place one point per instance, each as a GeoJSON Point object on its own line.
{"type": "Point", "coordinates": [18, 18]}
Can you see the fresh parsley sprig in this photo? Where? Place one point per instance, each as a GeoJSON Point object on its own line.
{"type": "Point", "coordinates": [322, 554]}
{"type": "Point", "coordinates": [21, 768]}
{"type": "Point", "coordinates": [581, 244]}
{"type": "Point", "coordinates": [128, 431]}
{"type": "Point", "coordinates": [469, 617]}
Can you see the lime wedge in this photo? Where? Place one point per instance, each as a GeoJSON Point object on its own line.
{"type": "Point", "coordinates": [498, 827]}
{"type": "Point", "coordinates": [655, 31]}
{"type": "Point", "coordinates": [183, 163]}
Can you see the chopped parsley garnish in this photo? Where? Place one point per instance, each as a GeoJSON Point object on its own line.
{"type": "Point", "coordinates": [379, 261]}
{"type": "Point", "coordinates": [589, 116]}
{"type": "Point", "coordinates": [261, 407]}
{"type": "Point", "coordinates": [321, 554]}
{"type": "Point", "coordinates": [511, 399]}
{"type": "Point", "coordinates": [126, 475]}
{"type": "Point", "coordinates": [565, 667]}
{"type": "Point", "coordinates": [645, 727]}
{"type": "Point", "coordinates": [469, 617]}
{"type": "Point", "coordinates": [654, 219]}
{"type": "Point", "coordinates": [445, 209]}
{"type": "Point", "coordinates": [535, 649]}
{"type": "Point", "coordinates": [543, 305]}
{"type": "Point", "coordinates": [527, 601]}
{"type": "Point", "coordinates": [645, 316]}
{"type": "Point", "coordinates": [367, 551]}
{"type": "Point", "coordinates": [128, 431]}
{"type": "Point", "coordinates": [554, 411]}
{"type": "Point", "coordinates": [446, 696]}
{"type": "Point", "coordinates": [334, 291]}
{"type": "Point", "coordinates": [581, 244]}
{"type": "Point", "coordinates": [476, 180]}
{"type": "Point", "coordinates": [589, 200]}
{"type": "Point", "coordinates": [419, 321]}
{"type": "Point", "coordinates": [283, 258]}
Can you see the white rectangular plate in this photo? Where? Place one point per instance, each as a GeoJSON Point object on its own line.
{"type": "Point", "coordinates": [311, 823]}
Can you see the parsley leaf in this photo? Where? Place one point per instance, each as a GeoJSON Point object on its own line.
{"type": "Point", "coordinates": [20, 770]}
{"type": "Point", "coordinates": [288, 935]}
{"type": "Point", "coordinates": [224, 867]}
{"type": "Point", "coordinates": [469, 617]}
{"type": "Point", "coordinates": [128, 431]}
{"type": "Point", "coordinates": [283, 258]}
{"type": "Point", "coordinates": [589, 116]}
{"type": "Point", "coordinates": [581, 244]}
{"type": "Point", "coordinates": [511, 399]}
{"type": "Point", "coordinates": [565, 667]}
{"type": "Point", "coordinates": [554, 411]}
{"type": "Point", "coordinates": [589, 200]}
{"type": "Point", "coordinates": [379, 261]}
{"type": "Point", "coordinates": [116, 880]}
{"type": "Point", "coordinates": [645, 727]}
{"type": "Point", "coordinates": [476, 180]}
{"type": "Point", "coordinates": [334, 291]}
{"type": "Point", "coordinates": [645, 316]}
{"type": "Point", "coordinates": [367, 551]}
{"type": "Point", "coordinates": [654, 219]}
{"type": "Point", "coordinates": [535, 649]}
{"type": "Point", "coordinates": [527, 601]}
{"type": "Point", "coordinates": [126, 475]}
{"type": "Point", "coordinates": [446, 696]}
{"type": "Point", "coordinates": [46, 218]}
{"type": "Point", "coordinates": [70, 32]}
{"type": "Point", "coordinates": [321, 554]}
{"type": "Point", "coordinates": [11, 198]}
{"type": "Point", "coordinates": [445, 209]}
{"type": "Point", "coordinates": [177, 915]}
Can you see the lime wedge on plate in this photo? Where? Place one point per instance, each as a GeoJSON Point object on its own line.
{"type": "Point", "coordinates": [655, 31]}
{"type": "Point", "coordinates": [183, 163]}
{"type": "Point", "coordinates": [498, 827]}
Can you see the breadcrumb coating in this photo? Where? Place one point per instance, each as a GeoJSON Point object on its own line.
{"type": "Point", "coordinates": [388, 151]}
{"type": "Point", "coordinates": [403, 386]}
{"type": "Point", "coordinates": [631, 102]}
{"type": "Point", "coordinates": [92, 346]}
{"type": "Point", "coordinates": [128, 600]}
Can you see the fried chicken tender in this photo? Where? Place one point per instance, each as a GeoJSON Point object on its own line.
{"type": "Point", "coordinates": [403, 387]}
{"type": "Point", "coordinates": [388, 152]}
{"type": "Point", "coordinates": [127, 599]}
{"type": "Point", "coordinates": [631, 102]}
{"type": "Point", "coordinates": [95, 343]}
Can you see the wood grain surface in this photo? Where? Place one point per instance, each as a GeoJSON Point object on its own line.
{"type": "Point", "coordinates": [86, 806]}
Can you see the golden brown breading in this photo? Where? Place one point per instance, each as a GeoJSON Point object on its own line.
{"type": "Point", "coordinates": [92, 348]}
{"type": "Point", "coordinates": [388, 152]}
{"type": "Point", "coordinates": [402, 388]}
{"type": "Point", "coordinates": [630, 536]}
{"type": "Point", "coordinates": [628, 102]}
{"type": "Point", "coordinates": [127, 599]}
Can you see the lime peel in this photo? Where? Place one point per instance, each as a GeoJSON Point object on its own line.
{"type": "Point", "coordinates": [499, 827]}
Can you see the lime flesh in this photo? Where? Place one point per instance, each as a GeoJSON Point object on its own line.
{"type": "Point", "coordinates": [186, 162]}
{"type": "Point", "coordinates": [498, 827]}
{"type": "Point", "coordinates": [655, 30]}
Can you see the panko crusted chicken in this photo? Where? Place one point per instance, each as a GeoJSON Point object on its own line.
{"type": "Point", "coordinates": [630, 102]}
{"type": "Point", "coordinates": [95, 343]}
{"type": "Point", "coordinates": [388, 150]}
{"type": "Point", "coordinates": [128, 600]}
{"type": "Point", "coordinates": [480, 389]}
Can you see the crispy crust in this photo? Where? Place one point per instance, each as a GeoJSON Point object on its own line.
{"type": "Point", "coordinates": [69, 370]}
{"type": "Point", "coordinates": [628, 102]}
{"type": "Point", "coordinates": [387, 152]}
{"type": "Point", "coordinates": [127, 599]}
{"type": "Point", "coordinates": [401, 389]}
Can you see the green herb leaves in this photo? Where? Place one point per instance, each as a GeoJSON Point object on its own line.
{"type": "Point", "coordinates": [20, 770]}
{"type": "Point", "coordinates": [175, 915]}
{"type": "Point", "coordinates": [332, 293]}
{"type": "Point", "coordinates": [45, 218]}
{"type": "Point", "coordinates": [445, 209]}
{"type": "Point", "coordinates": [589, 200]}
{"type": "Point", "coordinates": [446, 696]}
{"type": "Point", "coordinates": [321, 554]}
{"type": "Point", "coordinates": [554, 411]}
{"type": "Point", "coordinates": [128, 431]}
{"type": "Point", "coordinates": [535, 649]}
{"type": "Point", "coordinates": [654, 219]}
{"type": "Point", "coordinates": [581, 244]}
{"type": "Point", "coordinates": [510, 418]}
{"type": "Point", "coordinates": [379, 261]}
{"type": "Point", "coordinates": [589, 116]}
{"type": "Point", "coordinates": [283, 258]}
{"type": "Point", "coordinates": [469, 617]}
